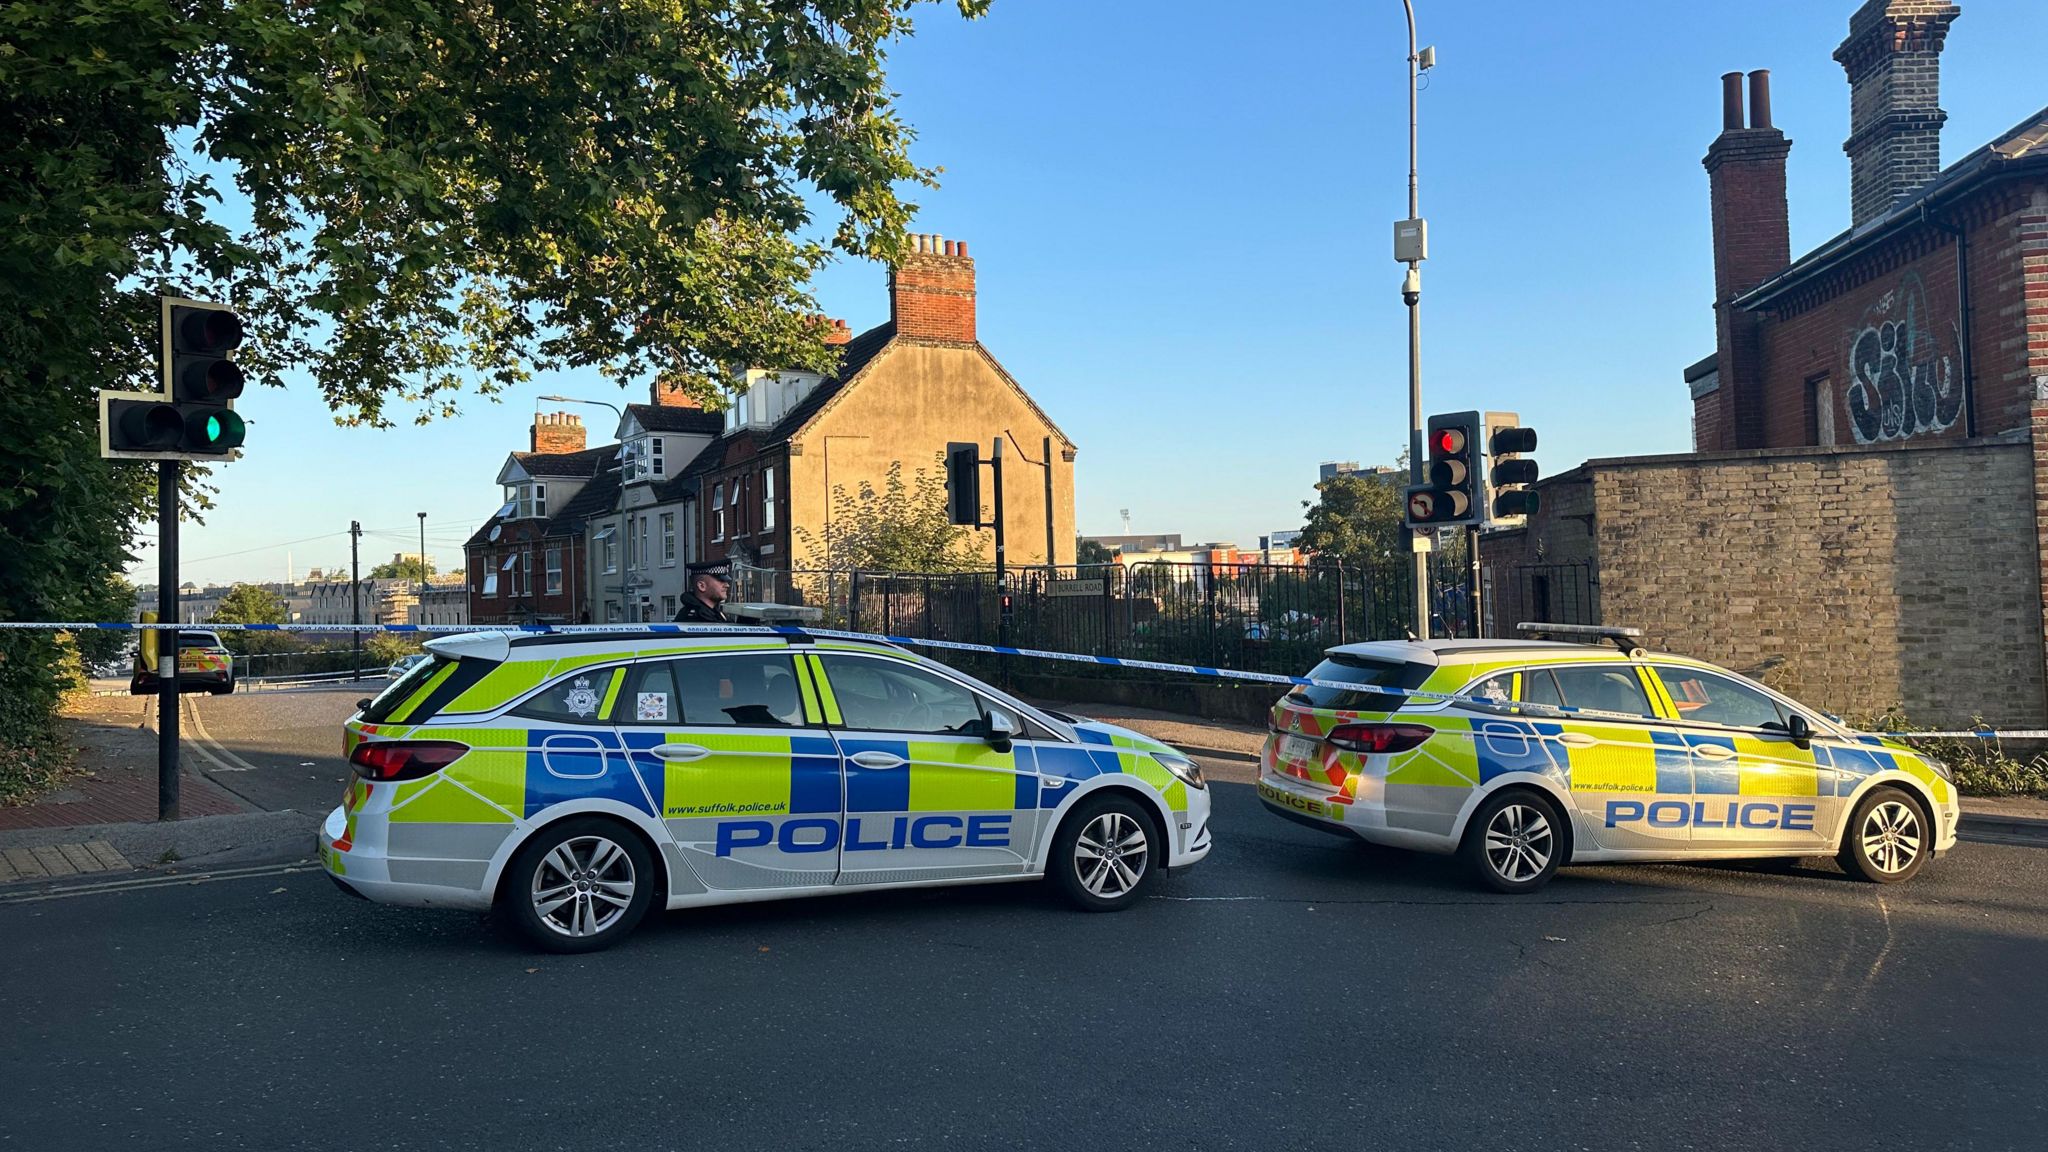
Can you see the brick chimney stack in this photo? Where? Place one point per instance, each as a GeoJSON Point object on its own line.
{"type": "Point", "coordinates": [1752, 243]}
{"type": "Point", "coordinates": [931, 291]}
{"type": "Point", "coordinates": [556, 433]}
{"type": "Point", "coordinates": [837, 332]}
{"type": "Point", "coordinates": [669, 394]}
{"type": "Point", "coordinates": [1893, 58]}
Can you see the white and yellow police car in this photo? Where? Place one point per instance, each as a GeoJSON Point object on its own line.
{"type": "Point", "coordinates": [1544, 752]}
{"type": "Point", "coordinates": [575, 780]}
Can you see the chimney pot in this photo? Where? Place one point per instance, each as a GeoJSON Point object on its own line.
{"type": "Point", "coordinates": [960, 247]}
{"type": "Point", "coordinates": [1731, 102]}
{"type": "Point", "coordinates": [1760, 98]}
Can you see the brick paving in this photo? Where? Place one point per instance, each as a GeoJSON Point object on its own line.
{"type": "Point", "coordinates": [116, 738]}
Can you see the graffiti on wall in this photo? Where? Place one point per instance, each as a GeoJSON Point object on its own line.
{"type": "Point", "coordinates": [1901, 382]}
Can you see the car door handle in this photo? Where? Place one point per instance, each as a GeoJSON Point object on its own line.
{"type": "Point", "coordinates": [1577, 739]}
{"type": "Point", "coordinates": [1712, 752]}
{"type": "Point", "coordinates": [878, 759]}
{"type": "Point", "coordinates": [680, 753]}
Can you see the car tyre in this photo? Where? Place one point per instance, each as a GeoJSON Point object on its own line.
{"type": "Point", "coordinates": [1106, 853]}
{"type": "Point", "coordinates": [1888, 837]}
{"type": "Point", "coordinates": [579, 885]}
{"type": "Point", "coordinates": [1515, 841]}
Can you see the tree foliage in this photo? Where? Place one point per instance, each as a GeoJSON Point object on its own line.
{"type": "Point", "coordinates": [404, 568]}
{"type": "Point", "coordinates": [1354, 521]}
{"type": "Point", "coordinates": [254, 604]}
{"type": "Point", "coordinates": [404, 199]}
{"type": "Point", "coordinates": [1088, 551]}
{"type": "Point", "coordinates": [903, 527]}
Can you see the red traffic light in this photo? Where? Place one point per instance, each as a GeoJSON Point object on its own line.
{"type": "Point", "coordinates": [1448, 441]}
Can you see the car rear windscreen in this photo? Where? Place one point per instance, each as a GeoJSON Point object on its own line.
{"type": "Point", "coordinates": [1366, 672]}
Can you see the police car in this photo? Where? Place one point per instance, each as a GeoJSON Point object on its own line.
{"type": "Point", "coordinates": [1544, 752]}
{"type": "Point", "coordinates": [575, 780]}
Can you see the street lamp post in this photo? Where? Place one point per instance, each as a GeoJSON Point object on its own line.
{"type": "Point", "coordinates": [1411, 246]}
{"type": "Point", "coordinates": [625, 526]}
{"type": "Point", "coordinates": [423, 568]}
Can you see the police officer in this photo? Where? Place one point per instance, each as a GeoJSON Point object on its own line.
{"type": "Point", "coordinates": [704, 602]}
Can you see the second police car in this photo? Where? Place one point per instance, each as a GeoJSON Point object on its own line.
{"type": "Point", "coordinates": [1542, 753]}
{"type": "Point", "coordinates": [574, 781]}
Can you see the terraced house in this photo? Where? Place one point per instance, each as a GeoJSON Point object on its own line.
{"type": "Point", "coordinates": [602, 534]}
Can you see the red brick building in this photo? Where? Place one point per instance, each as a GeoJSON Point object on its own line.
{"type": "Point", "coordinates": [1864, 522]}
{"type": "Point", "coordinates": [1928, 317]}
{"type": "Point", "coordinates": [526, 565]}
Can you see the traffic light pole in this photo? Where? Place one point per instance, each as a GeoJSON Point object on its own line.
{"type": "Point", "coordinates": [167, 641]}
{"type": "Point", "coordinates": [1473, 598]}
{"type": "Point", "coordinates": [355, 596]}
{"type": "Point", "coordinates": [995, 466]}
{"type": "Point", "coordinates": [1411, 292]}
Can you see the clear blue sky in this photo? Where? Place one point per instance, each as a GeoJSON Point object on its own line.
{"type": "Point", "coordinates": [1181, 214]}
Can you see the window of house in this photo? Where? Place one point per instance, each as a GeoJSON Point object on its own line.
{"type": "Point", "coordinates": [491, 584]}
{"type": "Point", "coordinates": [646, 557]}
{"type": "Point", "coordinates": [608, 545]}
{"type": "Point", "coordinates": [718, 511]}
{"type": "Point", "coordinates": [511, 565]}
{"type": "Point", "coordinates": [657, 464]}
{"type": "Point", "coordinates": [612, 615]}
{"type": "Point", "coordinates": [668, 539]}
{"type": "Point", "coordinates": [526, 572]}
{"type": "Point", "coordinates": [527, 501]}
{"type": "Point", "coordinates": [1820, 411]}
{"type": "Point", "coordinates": [668, 607]}
{"type": "Point", "coordinates": [554, 571]}
{"type": "Point", "coordinates": [632, 557]}
{"type": "Point", "coordinates": [768, 500]}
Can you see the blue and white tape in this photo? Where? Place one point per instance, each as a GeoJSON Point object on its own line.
{"type": "Point", "coordinates": [926, 642]}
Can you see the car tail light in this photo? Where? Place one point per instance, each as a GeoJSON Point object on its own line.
{"type": "Point", "coordinates": [1379, 739]}
{"type": "Point", "coordinates": [404, 759]}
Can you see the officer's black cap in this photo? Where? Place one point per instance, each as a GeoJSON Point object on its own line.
{"type": "Point", "coordinates": [718, 568]}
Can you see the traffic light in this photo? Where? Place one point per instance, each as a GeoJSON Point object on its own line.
{"type": "Point", "coordinates": [1453, 475]}
{"type": "Point", "coordinates": [193, 417]}
{"type": "Point", "coordinates": [1510, 491]}
{"type": "Point", "coordinates": [963, 484]}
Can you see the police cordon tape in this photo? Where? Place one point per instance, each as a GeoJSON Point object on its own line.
{"type": "Point", "coordinates": [926, 642]}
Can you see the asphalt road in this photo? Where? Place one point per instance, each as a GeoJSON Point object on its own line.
{"type": "Point", "coordinates": [1290, 992]}
{"type": "Point", "coordinates": [276, 749]}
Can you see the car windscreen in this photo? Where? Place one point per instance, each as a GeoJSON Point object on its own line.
{"type": "Point", "coordinates": [1366, 672]}
{"type": "Point", "coordinates": [396, 692]}
{"type": "Point", "coordinates": [198, 640]}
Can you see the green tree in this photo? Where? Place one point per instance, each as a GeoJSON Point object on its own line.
{"type": "Point", "coordinates": [254, 604]}
{"type": "Point", "coordinates": [1088, 551]}
{"type": "Point", "coordinates": [404, 568]}
{"type": "Point", "coordinates": [1354, 521]}
{"type": "Point", "coordinates": [901, 528]}
{"type": "Point", "coordinates": [428, 197]}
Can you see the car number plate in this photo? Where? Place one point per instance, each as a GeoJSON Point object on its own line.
{"type": "Point", "coordinates": [1297, 748]}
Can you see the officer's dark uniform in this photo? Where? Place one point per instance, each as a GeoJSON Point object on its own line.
{"type": "Point", "coordinates": [694, 610]}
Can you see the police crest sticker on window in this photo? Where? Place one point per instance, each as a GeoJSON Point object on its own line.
{"type": "Point", "coordinates": [653, 706]}
{"type": "Point", "coordinates": [581, 698]}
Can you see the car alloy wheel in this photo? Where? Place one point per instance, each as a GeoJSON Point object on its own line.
{"type": "Point", "coordinates": [1519, 842]}
{"type": "Point", "coordinates": [582, 887]}
{"type": "Point", "coordinates": [1111, 855]}
{"type": "Point", "coordinates": [1892, 836]}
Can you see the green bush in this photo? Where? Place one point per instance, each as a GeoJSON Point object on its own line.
{"type": "Point", "coordinates": [1981, 766]}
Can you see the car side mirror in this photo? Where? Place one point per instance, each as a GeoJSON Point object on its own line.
{"type": "Point", "coordinates": [1800, 730]}
{"type": "Point", "coordinates": [362, 704]}
{"type": "Point", "coordinates": [1000, 731]}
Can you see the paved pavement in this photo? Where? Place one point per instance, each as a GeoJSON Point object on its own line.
{"type": "Point", "coordinates": [1290, 992]}
{"type": "Point", "coordinates": [117, 740]}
